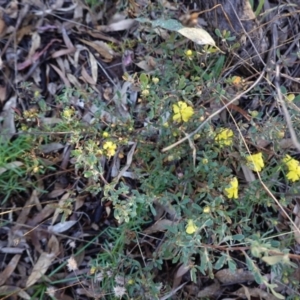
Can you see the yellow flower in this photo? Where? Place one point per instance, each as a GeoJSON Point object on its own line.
{"type": "Point", "coordinates": [236, 80]}
{"type": "Point", "coordinates": [145, 93]}
{"type": "Point", "coordinates": [224, 137]}
{"type": "Point", "coordinates": [110, 148]}
{"type": "Point", "coordinates": [232, 191]}
{"type": "Point", "coordinates": [190, 227]}
{"type": "Point", "coordinates": [206, 209]}
{"type": "Point", "coordinates": [293, 168]}
{"type": "Point", "coordinates": [189, 53]}
{"type": "Point", "coordinates": [255, 162]}
{"type": "Point", "coordinates": [182, 112]}
{"type": "Point", "coordinates": [68, 113]}
{"type": "Point", "coordinates": [24, 127]}
{"type": "Point", "coordinates": [293, 175]}
{"type": "Point", "coordinates": [253, 113]}
{"type": "Point", "coordinates": [105, 134]}
{"type": "Point", "coordinates": [205, 161]}
{"type": "Point", "coordinates": [290, 97]}
{"type": "Point", "coordinates": [155, 80]}
{"type": "Point", "coordinates": [291, 163]}
{"type": "Point", "coordinates": [36, 94]}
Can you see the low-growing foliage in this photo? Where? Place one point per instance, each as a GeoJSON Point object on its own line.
{"type": "Point", "coordinates": [207, 204]}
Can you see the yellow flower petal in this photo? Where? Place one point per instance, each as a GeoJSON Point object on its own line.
{"type": "Point", "coordinates": [187, 113]}
{"type": "Point", "coordinates": [293, 175]}
{"type": "Point", "coordinates": [110, 148]}
{"type": "Point", "coordinates": [176, 109]}
{"type": "Point", "coordinates": [255, 162]}
{"type": "Point", "coordinates": [291, 163]}
{"type": "Point", "coordinates": [224, 137]}
{"type": "Point", "coordinates": [190, 227]}
{"type": "Point", "coordinates": [189, 53]}
{"type": "Point", "coordinates": [182, 112]}
{"type": "Point", "coordinates": [293, 167]}
{"type": "Point", "coordinates": [232, 191]}
{"type": "Point", "coordinates": [182, 105]}
{"type": "Point", "coordinates": [177, 117]}
{"type": "Point", "coordinates": [206, 209]}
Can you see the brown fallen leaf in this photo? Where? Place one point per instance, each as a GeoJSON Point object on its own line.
{"type": "Point", "coordinates": [197, 35]}
{"type": "Point", "coordinates": [61, 227]}
{"type": "Point", "coordinates": [16, 236]}
{"type": "Point", "coordinates": [66, 39]}
{"type": "Point", "coordinates": [63, 203]}
{"type": "Point", "coordinates": [35, 57]}
{"type": "Point", "coordinates": [94, 66]}
{"type": "Point", "coordinates": [3, 91]}
{"type": "Point", "coordinates": [118, 26]}
{"type": "Point", "coordinates": [147, 64]}
{"type": "Point", "coordinates": [5, 274]}
{"type": "Point", "coordinates": [249, 175]}
{"type": "Point", "coordinates": [254, 292]}
{"type": "Point", "coordinates": [74, 80]}
{"type": "Point", "coordinates": [10, 290]}
{"type": "Point", "coordinates": [100, 36]}
{"type": "Point", "coordinates": [2, 27]}
{"type": "Point", "coordinates": [86, 77]}
{"type": "Point", "coordinates": [102, 48]}
{"type": "Point", "coordinates": [25, 30]}
{"type": "Point", "coordinates": [160, 225]}
{"type": "Point", "coordinates": [61, 75]}
{"type": "Point", "coordinates": [225, 276]}
{"type": "Point", "coordinates": [210, 291]}
{"type": "Point", "coordinates": [44, 262]}
{"type": "Point", "coordinates": [26, 209]}
{"type": "Point", "coordinates": [183, 269]}
{"type": "Point", "coordinates": [8, 128]}
{"type": "Point", "coordinates": [296, 213]}
{"type": "Point", "coordinates": [63, 52]}
{"type": "Point", "coordinates": [35, 44]}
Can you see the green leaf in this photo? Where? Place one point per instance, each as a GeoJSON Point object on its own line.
{"type": "Point", "coordinates": [272, 260]}
{"type": "Point", "coordinates": [170, 24]}
{"type": "Point", "coordinates": [43, 105]}
{"type": "Point", "coordinates": [182, 83]}
{"type": "Point", "coordinates": [257, 277]}
{"type": "Point", "coordinates": [238, 237]}
{"type": "Point", "coordinates": [232, 265]}
{"type": "Point", "coordinates": [144, 79]}
{"type": "Point", "coordinates": [283, 90]}
{"type": "Point", "coordinates": [208, 223]}
{"type": "Point", "coordinates": [220, 262]}
{"type": "Point", "coordinates": [204, 262]}
{"type": "Point", "coordinates": [218, 67]}
{"type": "Point", "coordinates": [218, 33]}
{"type": "Point", "coordinates": [277, 295]}
{"type": "Point", "coordinates": [193, 275]}
{"type": "Point", "coordinates": [259, 7]}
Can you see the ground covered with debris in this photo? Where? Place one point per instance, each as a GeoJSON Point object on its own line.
{"type": "Point", "coordinates": [149, 149]}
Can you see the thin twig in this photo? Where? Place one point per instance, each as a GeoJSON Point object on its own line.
{"type": "Point", "coordinates": [285, 110]}
{"type": "Point", "coordinates": [246, 33]}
